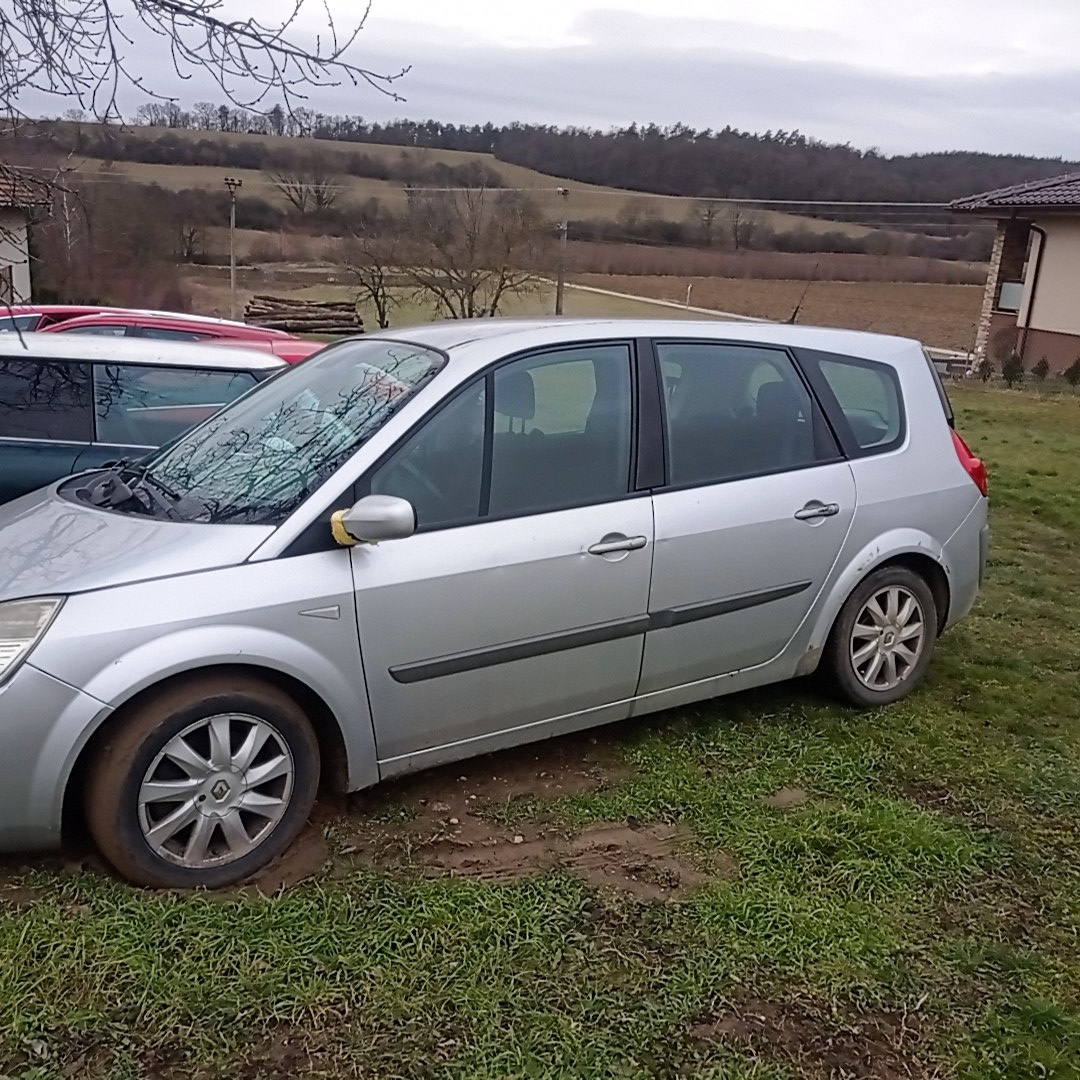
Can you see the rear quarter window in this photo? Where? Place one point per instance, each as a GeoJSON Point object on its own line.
{"type": "Point", "coordinates": [866, 402]}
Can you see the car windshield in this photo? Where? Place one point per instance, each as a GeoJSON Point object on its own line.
{"type": "Point", "coordinates": [257, 460]}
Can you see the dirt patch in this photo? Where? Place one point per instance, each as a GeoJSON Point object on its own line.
{"type": "Point", "coordinates": [940, 800]}
{"type": "Point", "coordinates": [305, 858]}
{"type": "Point", "coordinates": [639, 859]}
{"type": "Point", "coordinates": [787, 798]}
{"type": "Point", "coordinates": [861, 1045]}
{"type": "Point", "coordinates": [281, 1057]}
{"type": "Point", "coordinates": [544, 770]}
{"type": "Point", "coordinates": [643, 860]}
{"type": "Point", "coordinates": [17, 897]}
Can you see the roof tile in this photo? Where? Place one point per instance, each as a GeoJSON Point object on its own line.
{"type": "Point", "coordinates": [1055, 191]}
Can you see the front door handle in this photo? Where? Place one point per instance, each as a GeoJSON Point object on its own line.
{"type": "Point", "coordinates": [814, 510]}
{"type": "Point", "coordinates": [614, 542]}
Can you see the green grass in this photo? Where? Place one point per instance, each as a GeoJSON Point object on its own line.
{"type": "Point", "coordinates": [929, 885]}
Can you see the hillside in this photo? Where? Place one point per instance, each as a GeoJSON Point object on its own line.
{"type": "Point", "coordinates": [180, 158]}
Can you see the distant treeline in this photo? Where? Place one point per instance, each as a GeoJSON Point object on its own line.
{"type": "Point", "coordinates": [46, 138]}
{"type": "Point", "coordinates": [674, 160]}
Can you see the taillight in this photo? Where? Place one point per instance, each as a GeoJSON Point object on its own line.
{"type": "Point", "coordinates": [975, 466]}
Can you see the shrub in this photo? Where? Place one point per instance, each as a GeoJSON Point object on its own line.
{"type": "Point", "coordinates": [1041, 370]}
{"type": "Point", "coordinates": [986, 370]}
{"type": "Point", "coordinates": [1012, 371]}
{"type": "Point", "coordinates": [1072, 373]}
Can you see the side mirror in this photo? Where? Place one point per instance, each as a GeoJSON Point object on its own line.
{"type": "Point", "coordinates": [372, 519]}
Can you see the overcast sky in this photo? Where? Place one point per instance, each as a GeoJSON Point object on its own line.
{"type": "Point", "coordinates": [994, 75]}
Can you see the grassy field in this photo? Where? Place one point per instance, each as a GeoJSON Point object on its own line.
{"type": "Point", "coordinates": [586, 201]}
{"type": "Point", "coordinates": [767, 886]}
{"type": "Point", "coordinates": [940, 315]}
{"type": "Point", "coordinates": [211, 297]}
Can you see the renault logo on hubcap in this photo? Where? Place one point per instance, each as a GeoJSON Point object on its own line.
{"type": "Point", "coordinates": [220, 790]}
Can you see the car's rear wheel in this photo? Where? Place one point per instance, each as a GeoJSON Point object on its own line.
{"type": "Point", "coordinates": [881, 644]}
{"type": "Point", "coordinates": [203, 784]}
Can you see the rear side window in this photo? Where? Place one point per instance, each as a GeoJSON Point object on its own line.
{"type": "Point", "coordinates": [45, 399]}
{"type": "Point", "coordinates": [96, 331]}
{"type": "Point", "coordinates": [149, 406]}
{"type": "Point", "coordinates": [164, 333]}
{"type": "Point", "coordinates": [868, 395]}
{"type": "Point", "coordinates": [735, 411]}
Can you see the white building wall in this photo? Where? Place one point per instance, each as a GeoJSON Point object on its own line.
{"type": "Point", "coordinates": [1056, 305]}
{"type": "Point", "coordinates": [13, 252]}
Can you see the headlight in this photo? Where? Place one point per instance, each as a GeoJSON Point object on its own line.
{"type": "Point", "coordinates": [22, 625]}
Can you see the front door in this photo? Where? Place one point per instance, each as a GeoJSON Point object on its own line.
{"type": "Point", "coordinates": [519, 607]}
{"type": "Point", "coordinates": [757, 508]}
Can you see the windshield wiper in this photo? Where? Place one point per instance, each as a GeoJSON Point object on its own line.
{"type": "Point", "coordinates": [112, 489]}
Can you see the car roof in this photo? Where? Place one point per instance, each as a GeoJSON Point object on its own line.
{"type": "Point", "coordinates": [521, 333]}
{"type": "Point", "coordinates": [127, 316]}
{"type": "Point", "coordinates": [14, 346]}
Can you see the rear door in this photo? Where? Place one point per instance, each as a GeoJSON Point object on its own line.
{"type": "Point", "coordinates": [45, 421]}
{"type": "Point", "coordinates": [757, 505]}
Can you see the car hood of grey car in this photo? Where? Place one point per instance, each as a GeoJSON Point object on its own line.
{"type": "Point", "coordinates": [50, 546]}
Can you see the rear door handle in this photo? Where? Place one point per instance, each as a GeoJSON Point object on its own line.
{"type": "Point", "coordinates": [617, 542]}
{"type": "Point", "coordinates": [814, 510]}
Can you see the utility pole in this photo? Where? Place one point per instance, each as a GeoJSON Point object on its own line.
{"type": "Point", "coordinates": [564, 228]}
{"type": "Point", "coordinates": [232, 184]}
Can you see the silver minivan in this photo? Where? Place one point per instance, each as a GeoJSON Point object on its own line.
{"type": "Point", "coordinates": [434, 543]}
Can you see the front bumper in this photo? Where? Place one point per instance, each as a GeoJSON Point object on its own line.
{"type": "Point", "coordinates": [44, 723]}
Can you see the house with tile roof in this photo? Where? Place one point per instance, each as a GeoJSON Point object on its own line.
{"type": "Point", "coordinates": [18, 198]}
{"type": "Point", "coordinates": [1032, 301]}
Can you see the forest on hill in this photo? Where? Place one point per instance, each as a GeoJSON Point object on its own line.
{"type": "Point", "coordinates": [673, 160]}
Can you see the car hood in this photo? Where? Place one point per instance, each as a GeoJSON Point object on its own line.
{"type": "Point", "coordinates": [51, 546]}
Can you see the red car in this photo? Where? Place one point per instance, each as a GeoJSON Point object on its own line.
{"type": "Point", "coordinates": [291, 349]}
{"type": "Point", "coordinates": [163, 326]}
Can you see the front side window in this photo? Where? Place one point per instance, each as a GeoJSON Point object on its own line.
{"type": "Point", "coordinates": [261, 457]}
{"type": "Point", "coordinates": [546, 432]}
{"type": "Point", "coordinates": [440, 467]}
{"type": "Point", "coordinates": [561, 430]}
{"type": "Point", "coordinates": [735, 411]}
{"type": "Point", "coordinates": [45, 399]}
{"type": "Point", "coordinates": [138, 405]}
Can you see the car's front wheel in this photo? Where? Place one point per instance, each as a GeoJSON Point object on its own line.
{"type": "Point", "coordinates": [881, 644]}
{"type": "Point", "coordinates": [203, 784]}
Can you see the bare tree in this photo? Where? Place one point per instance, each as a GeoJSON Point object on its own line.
{"type": "Point", "coordinates": [311, 190]}
{"type": "Point", "coordinates": [705, 215]}
{"type": "Point", "coordinates": [470, 249]}
{"type": "Point", "coordinates": [87, 50]}
{"type": "Point", "coordinates": [374, 264]}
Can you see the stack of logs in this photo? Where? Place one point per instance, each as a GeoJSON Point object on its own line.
{"type": "Point", "coordinates": [304, 316]}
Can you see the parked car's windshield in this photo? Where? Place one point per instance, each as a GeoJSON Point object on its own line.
{"type": "Point", "coordinates": [257, 460]}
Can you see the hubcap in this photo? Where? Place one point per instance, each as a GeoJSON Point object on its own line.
{"type": "Point", "coordinates": [216, 791]}
{"type": "Point", "coordinates": [887, 639]}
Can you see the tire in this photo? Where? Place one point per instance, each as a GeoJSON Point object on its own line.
{"type": "Point", "coordinates": [170, 807]}
{"type": "Point", "coordinates": [867, 632]}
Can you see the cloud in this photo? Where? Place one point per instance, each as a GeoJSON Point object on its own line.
{"type": "Point", "coordinates": [905, 77]}
{"type": "Point", "coordinates": [612, 84]}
